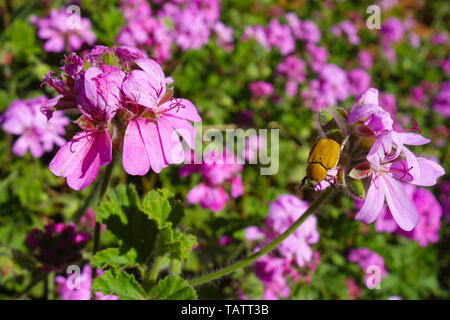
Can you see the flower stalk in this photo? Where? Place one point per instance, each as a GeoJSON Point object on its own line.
{"type": "Point", "coordinates": [269, 247]}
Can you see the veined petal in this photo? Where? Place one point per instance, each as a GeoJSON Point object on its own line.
{"type": "Point", "coordinates": [181, 108]}
{"type": "Point", "coordinates": [400, 205]}
{"type": "Point", "coordinates": [373, 202]}
{"type": "Point", "coordinates": [368, 96]}
{"type": "Point", "coordinates": [139, 87]}
{"type": "Point", "coordinates": [430, 171]}
{"type": "Point", "coordinates": [81, 158]}
{"type": "Point", "coordinates": [184, 128]}
{"type": "Point", "coordinates": [170, 141]}
{"type": "Point", "coordinates": [363, 112]}
{"type": "Point", "coordinates": [414, 139]}
{"type": "Point", "coordinates": [149, 133]}
{"type": "Point", "coordinates": [71, 154]}
{"type": "Point", "coordinates": [155, 72]}
{"type": "Point", "coordinates": [134, 158]}
{"type": "Point", "coordinates": [413, 165]}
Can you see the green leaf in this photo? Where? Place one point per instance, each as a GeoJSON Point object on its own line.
{"type": "Point", "coordinates": [112, 257]}
{"type": "Point", "coordinates": [119, 283]}
{"type": "Point", "coordinates": [157, 206]}
{"type": "Point", "coordinates": [124, 218]}
{"type": "Point", "coordinates": [172, 288]}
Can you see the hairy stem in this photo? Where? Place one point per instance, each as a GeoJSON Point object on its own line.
{"type": "Point", "coordinates": [154, 271]}
{"type": "Point", "coordinates": [269, 247]}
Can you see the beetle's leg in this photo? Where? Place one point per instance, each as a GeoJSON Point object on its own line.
{"type": "Point", "coordinates": [303, 183]}
{"type": "Point", "coordinates": [332, 182]}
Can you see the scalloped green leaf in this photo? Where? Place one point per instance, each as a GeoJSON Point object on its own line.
{"type": "Point", "coordinates": [119, 283]}
{"type": "Point", "coordinates": [172, 288]}
{"type": "Point", "coordinates": [124, 218]}
{"type": "Point", "coordinates": [111, 257]}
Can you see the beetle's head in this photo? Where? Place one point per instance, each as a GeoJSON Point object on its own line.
{"type": "Point", "coordinates": [310, 181]}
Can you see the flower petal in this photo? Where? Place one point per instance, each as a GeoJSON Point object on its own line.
{"type": "Point", "coordinates": [401, 207]}
{"type": "Point", "coordinates": [149, 133]}
{"type": "Point", "coordinates": [134, 158]}
{"type": "Point", "coordinates": [373, 202]}
{"type": "Point", "coordinates": [184, 128]}
{"type": "Point", "coordinates": [181, 108]}
{"type": "Point", "coordinates": [430, 171]}
{"type": "Point", "coordinates": [142, 89]}
{"type": "Point", "coordinates": [170, 141]}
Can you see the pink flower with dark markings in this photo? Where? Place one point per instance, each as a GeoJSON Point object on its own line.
{"type": "Point", "coordinates": [23, 118]}
{"type": "Point", "coordinates": [152, 135]}
{"type": "Point", "coordinates": [389, 163]}
{"type": "Point", "coordinates": [98, 98]}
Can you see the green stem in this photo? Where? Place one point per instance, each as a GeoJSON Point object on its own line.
{"type": "Point", "coordinates": [103, 187]}
{"type": "Point", "coordinates": [154, 271]}
{"type": "Point", "coordinates": [269, 247]}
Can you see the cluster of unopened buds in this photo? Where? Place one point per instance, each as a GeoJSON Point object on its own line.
{"type": "Point", "coordinates": [124, 103]}
{"type": "Point", "coordinates": [364, 154]}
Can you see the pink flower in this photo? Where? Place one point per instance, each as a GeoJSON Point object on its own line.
{"type": "Point", "coordinates": [261, 89]}
{"type": "Point", "coordinates": [59, 33]}
{"type": "Point", "coordinates": [392, 31]}
{"type": "Point", "coordinates": [283, 212]}
{"type": "Point", "coordinates": [359, 81]}
{"type": "Point", "coordinates": [152, 135]}
{"type": "Point", "coordinates": [84, 290]}
{"type": "Point", "coordinates": [441, 102]}
{"type": "Point", "coordinates": [331, 87]}
{"type": "Point", "coordinates": [365, 59]}
{"type": "Point", "coordinates": [304, 30]}
{"type": "Point", "coordinates": [430, 213]}
{"type": "Point", "coordinates": [349, 29]}
{"type": "Point", "coordinates": [99, 98]}
{"type": "Point", "coordinates": [390, 163]}
{"type": "Point", "coordinates": [367, 258]}
{"type": "Point", "coordinates": [294, 69]}
{"type": "Point", "coordinates": [274, 35]}
{"type": "Point", "coordinates": [218, 172]}
{"type": "Point", "coordinates": [24, 118]}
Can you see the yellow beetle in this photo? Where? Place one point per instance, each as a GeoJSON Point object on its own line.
{"type": "Point", "coordinates": [323, 156]}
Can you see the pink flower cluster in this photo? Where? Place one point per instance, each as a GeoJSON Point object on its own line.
{"type": "Point", "coordinates": [188, 24]}
{"type": "Point", "coordinates": [24, 119]}
{"type": "Point", "coordinates": [331, 87]}
{"type": "Point", "coordinates": [218, 171]}
{"type": "Point", "coordinates": [62, 31]}
{"type": "Point", "coordinates": [296, 249]}
{"type": "Point", "coordinates": [83, 292]}
{"type": "Point", "coordinates": [261, 89]}
{"type": "Point", "coordinates": [293, 68]}
{"type": "Point", "coordinates": [430, 213]}
{"type": "Point", "coordinates": [122, 98]}
{"type": "Point", "coordinates": [441, 102]}
{"type": "Point", "coordinates": [348, 29]}
{"type": "Point", "coordinates": [389, 163]}
{"type": "Point", "coordinates": [57, 246]}
{"type": "Point", "coordinates": [366, 259]}
{"type": "Point", "coordinates": [283, 36]}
